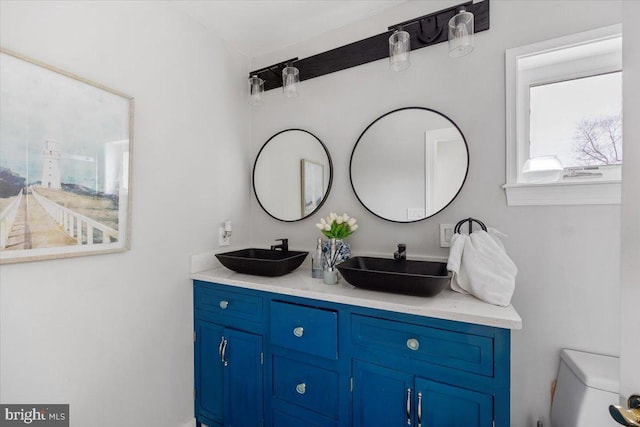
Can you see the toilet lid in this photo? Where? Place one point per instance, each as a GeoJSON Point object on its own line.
{"type": "Point", "coordinates": [594, 370]}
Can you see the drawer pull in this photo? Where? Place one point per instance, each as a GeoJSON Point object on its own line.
{"type": "Point", "coordinates": [222, 349]}
{"type": "Point", "coordinates": [413, 344]}
{"type": "Point", "coordinates": [299, 331]}
{"type": "Point", "coordinates": [408, 406]}
{"type": "Point", "coordinates": [224, 304]}
{"type": "Point", "coordinates": [301, 388]}
{"type": "Point", "coordinates": [419, 409]}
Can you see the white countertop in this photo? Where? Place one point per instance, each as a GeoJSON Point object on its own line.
{"type": "Point", "coordinates": [446, 305]}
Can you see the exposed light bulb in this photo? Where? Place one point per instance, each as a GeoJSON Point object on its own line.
{"type": "Point", "coordinates": [461, 36]}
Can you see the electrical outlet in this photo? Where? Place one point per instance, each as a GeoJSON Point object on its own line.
{"type": "Point", "coordinates": [415, 214]}
{"type": "Point", "coordinates": [446, 233]}
{"type": "Point", "coordinates": [223, 238]}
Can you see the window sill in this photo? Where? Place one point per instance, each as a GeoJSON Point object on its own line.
{"type": "Point", "coordinates": [563, 193]}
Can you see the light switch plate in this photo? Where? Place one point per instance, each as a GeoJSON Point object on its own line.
{"type": "Point", "coordinates": [222, 239]}
{"type": "Point", "coordinates": [446, 233]}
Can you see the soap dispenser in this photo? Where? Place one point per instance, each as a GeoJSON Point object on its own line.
{"type": "Point", "coordinates": [317, 270]}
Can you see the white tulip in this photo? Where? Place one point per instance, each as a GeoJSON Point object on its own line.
{"type": "Point", "coordinates": [351, 222]}
{"type": "Point", "coordinates": [345, 217]}
{"type": "Point", "coordinates": [354, 227]}
{"type": "Point", "coordinates": [320, 227]}
{"type": "Point", "coordinates": [339, 220]}
{"type": "Point", "coordinates": [323, 222]}
{"type": "Point", "coordinates": [333, 216]}
{"type": "Point", "coordinates": [327, 227]}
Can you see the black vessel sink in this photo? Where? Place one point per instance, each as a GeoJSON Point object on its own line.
{"type": "Point", "coordinates": [262, 262]}
{"type": "Point", "coordinates": [424, 278]}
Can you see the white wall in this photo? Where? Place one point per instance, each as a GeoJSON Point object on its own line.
{"type": "Point", "coordinates": [112, 334]}
{"type": "Point", "coordinates": [567, 290]}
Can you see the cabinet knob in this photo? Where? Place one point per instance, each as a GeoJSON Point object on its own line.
{"type": "Point", "coordinates": [299, 331]}
{"type": "Point", "coordinates": [224, 304]}
{"type": "Point", "coordinates": [413, 344]}
{"type": "Point", "coordinates": [301, 388]}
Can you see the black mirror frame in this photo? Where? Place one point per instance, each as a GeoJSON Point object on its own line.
{"type": "Point", "coordinates": [326, 195]}
{"type": "Point", "coordinates": [365, 131]}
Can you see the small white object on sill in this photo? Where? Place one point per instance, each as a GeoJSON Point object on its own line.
{"type": "Point", "coordinates": [543, 169]}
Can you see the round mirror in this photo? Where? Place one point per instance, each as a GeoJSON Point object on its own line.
{"type": "Point", "coordinates": [292, 175]}
{"type": "Point", "coordinates": [409, 164]}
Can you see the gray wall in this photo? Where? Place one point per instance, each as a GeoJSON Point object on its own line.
{"type": "Point", "coordinates": [112, 334]}
{"type": "Point", "coordinates": [567, 290]}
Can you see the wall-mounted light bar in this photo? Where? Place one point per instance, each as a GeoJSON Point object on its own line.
{"type": "Point", "coordinates": [424, 31]}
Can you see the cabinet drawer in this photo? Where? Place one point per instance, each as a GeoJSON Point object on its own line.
{"type": "Point", "coordinates": [306, 385]}
{"type": "Point", "coordinates": [305, 329]}
{"type": "Point", "coordinates": [471, 353]}
{"type": "Point", "coordinates": [229, 304]}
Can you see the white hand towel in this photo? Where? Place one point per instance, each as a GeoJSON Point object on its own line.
{"type": "Point", "coordinates": [481, 267]}
{"type": "Point", "coordinates": [458, 242]}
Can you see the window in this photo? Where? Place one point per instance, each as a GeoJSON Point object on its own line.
{"type": "Point", "coordinates": [564, 120]}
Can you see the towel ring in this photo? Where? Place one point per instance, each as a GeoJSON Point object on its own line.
{"type": "Point", "coordinates": [469, 220]}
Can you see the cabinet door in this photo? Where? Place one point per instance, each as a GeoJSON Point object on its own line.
{"type": "Point", "coordinates": [381, 396]}
{"type": "Point", "coordinates": [440, 404]}
{"type": "Point", "coordinates": [209, 373]}
{"type": "Point", "coordinates": [243, 379]}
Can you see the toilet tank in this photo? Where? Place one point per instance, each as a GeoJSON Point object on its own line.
{"type": "Point", "coordinates": [587, 384]}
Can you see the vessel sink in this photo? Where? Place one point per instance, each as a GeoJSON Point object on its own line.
{"type": "Point", "coordinates": [423, 278]}
{"type": "Point", "coordinates": [262, 262]}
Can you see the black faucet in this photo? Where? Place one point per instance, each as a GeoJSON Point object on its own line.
{"type": "Point", "coordinates": [401, 253]}
{"type": "Point", "coordinates": [284, 245]}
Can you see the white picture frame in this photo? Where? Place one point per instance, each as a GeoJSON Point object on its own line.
{"type": "Point", "coordinates": [65, 163]}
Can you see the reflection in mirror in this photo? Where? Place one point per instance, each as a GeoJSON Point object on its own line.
{"type": "Point", "coordinates": [409, 164]}
{"type": "Point", "coordinates": [292, 175]}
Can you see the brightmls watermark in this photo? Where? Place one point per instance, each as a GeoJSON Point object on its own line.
{"type": "Point", "coordinates": [34, 415]}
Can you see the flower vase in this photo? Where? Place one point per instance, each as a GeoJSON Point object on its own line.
{"type": "Point", "coordinates": [330, 276]}
{"type": "Point", "coordinates": [343, 251]}
{"type": "Point", "coordinates": [334, 251]}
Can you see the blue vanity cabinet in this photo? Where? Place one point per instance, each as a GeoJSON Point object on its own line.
{"type": "Point", "coordinates": [273, 360]}
{"type": "Point", "coordinates": [309, 379]}
{"type": "Point", "coordinates": [228, 360]}
{"type": "Point", "coordinates": [439, 404]}
{"type": "Point", "coordinates": [387, 397]}
{"type": "Point", "coordinates": [209, 374]}
{"type": "Point", "coordinates": [381, 396]}
{"type": "Point", "coordinates": [428, 372]}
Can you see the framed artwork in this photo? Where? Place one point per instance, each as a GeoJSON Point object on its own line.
{"type": "Point", "coordinates": [65, 163]}
{"type": "Point", "coordinates": [312, 178]}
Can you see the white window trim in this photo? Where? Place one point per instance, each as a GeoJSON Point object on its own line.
{"type": "Point", "coordinates": [520, 193]}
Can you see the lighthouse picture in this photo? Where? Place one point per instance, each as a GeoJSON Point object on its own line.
{"type": "Point", "coordinates": [51, 165]}
{"type": "Point", "coordinates": [65, 148]}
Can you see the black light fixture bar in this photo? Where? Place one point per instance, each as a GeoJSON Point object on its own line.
{"type": "Point", "coordinates": [272, 75]}
{"type": "Point", "coordinates": [425, 31]}
{"type": "Point", "coordinates": [480, 12]}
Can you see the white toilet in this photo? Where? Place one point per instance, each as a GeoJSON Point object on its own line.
{"type": "Point", "coordinates": [587, 384]}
